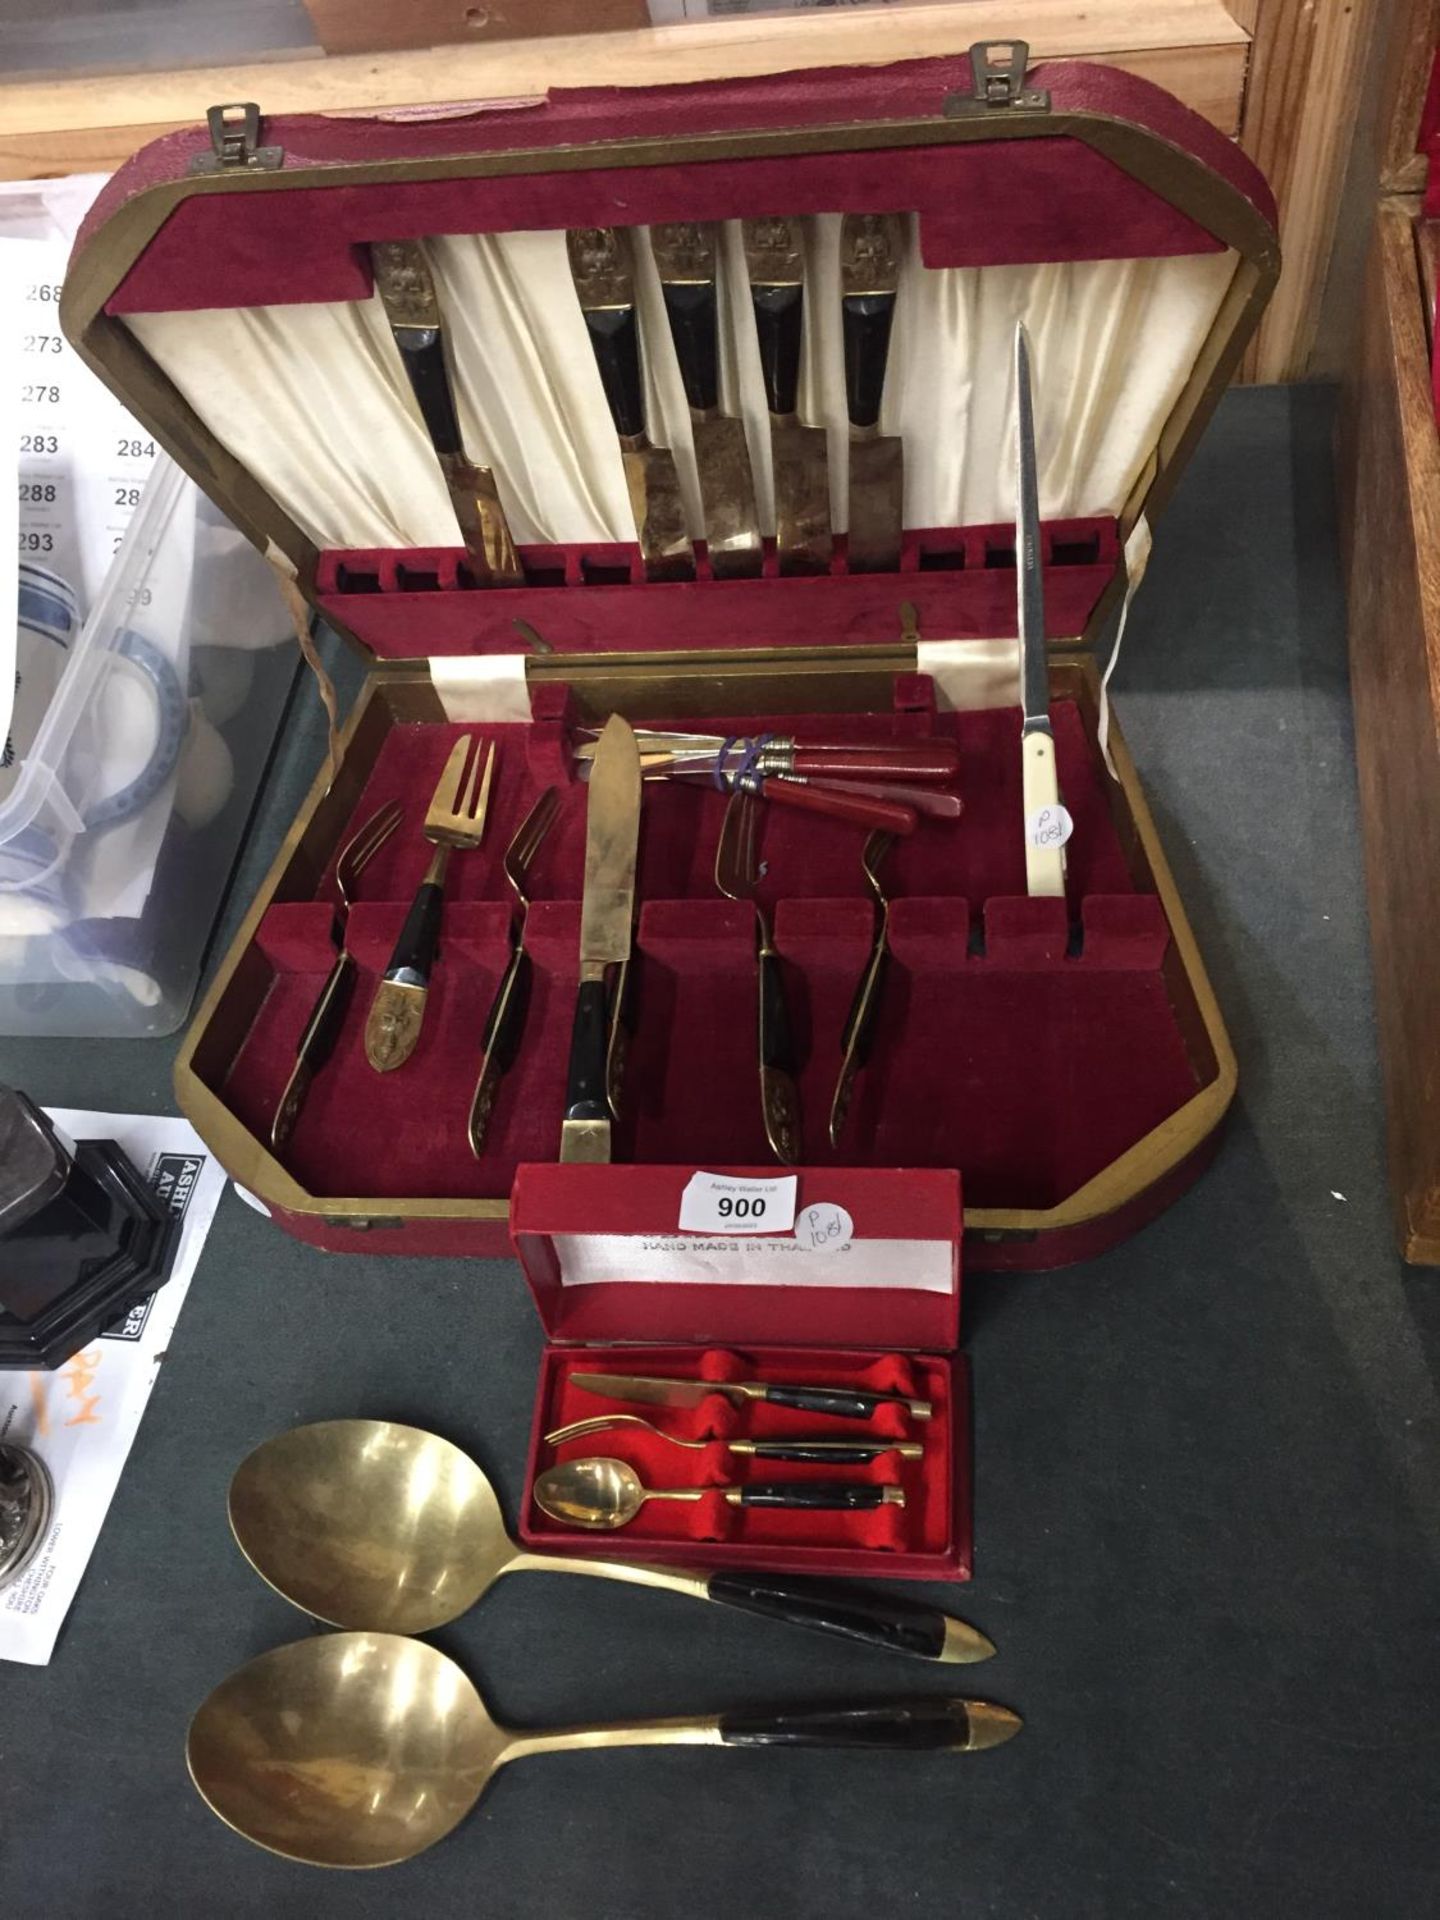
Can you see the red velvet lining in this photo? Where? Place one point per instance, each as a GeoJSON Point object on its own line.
{"type": "Point", "coordinates": [961, 582]}
{"type": "Point", "coordinates": [1029, 1066]}
{"type": "Point", "coordinates": [927, 1537]}
{"type": "Point", "coordinates": [1066, 202]}
{"type": "Point", "coordinates": [169, 273]}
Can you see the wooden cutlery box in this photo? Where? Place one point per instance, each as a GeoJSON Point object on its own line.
{"type": "Point", "coordinates": [875, 1306]}
{"type": "Point", "coordinates": [1065, 1054]}
{"type": "Point", "coordinates": [1389, 482]}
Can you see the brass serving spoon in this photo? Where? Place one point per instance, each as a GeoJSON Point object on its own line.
{"type": "Point", "coordinates": [605, 1494]}
{"type": "Point", "coordinates": [364, 1749]}
{"type": "Point", "coordinates": [506, 1019]}
{"type": "Point", "coordinates": [367, 1524]}
{"type": "Point", "coordinates": [834, 1453]}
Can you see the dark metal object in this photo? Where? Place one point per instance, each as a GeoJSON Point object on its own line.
{"type": "Point", "coordinates": [27, 1502]}
{"type": "Point", "coordinates": [600, 268]}
{"type": "Point", "coordinates": [685, 257]}
{"type": "Point", "coordinates": [83, 1239]}
{"type": "Point", "coordinates": [998, 81]}
{"type": "Point", "coordinates": [870, 247]}
{"type": "Point", "coordinates": [235, 141]}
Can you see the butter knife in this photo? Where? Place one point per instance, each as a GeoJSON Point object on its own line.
{"type": "Point", "coordinates": [844, 1403]}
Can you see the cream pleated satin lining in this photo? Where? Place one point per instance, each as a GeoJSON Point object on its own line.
{"type": "Point", "coordinates": [313, 399]}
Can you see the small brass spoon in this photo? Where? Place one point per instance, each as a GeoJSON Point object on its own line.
{"type": "Point", "coordinates": [605, 1494]}
{"type": "Point", "coordinates": [367, 1524]}
{"type": "Point", "coordinates": [364, 1749]}
{"type": "Point", "coordinates": [835, 1453]}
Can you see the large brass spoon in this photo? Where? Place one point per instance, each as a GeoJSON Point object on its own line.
{"type": "Point", "coordinates": [366, 1524]}
{"type": "Point", "coordinates": [364, 1749]}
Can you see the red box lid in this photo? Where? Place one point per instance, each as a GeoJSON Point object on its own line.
{"type": "Point", "coordinates": [606, 1261]}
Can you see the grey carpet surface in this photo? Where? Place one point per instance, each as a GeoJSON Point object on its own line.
{"type": "Point", "coordinates": [1207, 1465]}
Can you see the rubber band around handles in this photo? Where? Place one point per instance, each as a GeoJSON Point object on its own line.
{"type": "Point", "coordinates": [748, 772]}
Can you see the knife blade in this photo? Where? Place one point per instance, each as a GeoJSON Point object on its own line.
{"type": "Point", "coordinates": [870, 246]}
{"type": "Point", "coordinates": [799, 454]}
{"type": "Point", "coordinates": [655, 1390]}
{"type": "Point", "coordinates": [685, 258]}
{"type": "Point", "coordinates": [407, 292]}
{"type": "Point", "coordinates": [600, 268]}
{"type": "Point", "coordinates": [612, 835]}
{"type": "Point", "coordinates": [1044, 854]}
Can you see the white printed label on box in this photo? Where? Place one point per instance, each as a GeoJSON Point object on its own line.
{"type": "Point", "coordinates": [904, 1266]}
{"type": "Point", "coordinates": [727, 1203]}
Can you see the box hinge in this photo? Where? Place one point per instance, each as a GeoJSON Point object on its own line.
{"type": "Point", "coordinates": [998, 67]}
{"type": "Point", "coordinates": [235, 141]}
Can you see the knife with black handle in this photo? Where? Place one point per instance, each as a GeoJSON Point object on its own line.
{"type": "Point", "coordinates": [870, 245]}
{"type": "Point", "coordinates": [407, 292]}
{"type": "Point", "coordinates": [685, 258]}
{"type": "Point", "coordinates": [600, 268]}
{"type": "Point", "coordinates": [774, 256]}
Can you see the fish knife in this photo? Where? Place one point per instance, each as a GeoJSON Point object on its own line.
{"type": "Point", "coordinates": [685, 257]}
{"type": "Point", "coordinates": [600, 268]}
{"type": "Point", "coordinates": [612, 835]}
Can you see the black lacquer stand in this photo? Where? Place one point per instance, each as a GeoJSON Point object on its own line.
{"type": "Point", "coordinates": [83, 1239]}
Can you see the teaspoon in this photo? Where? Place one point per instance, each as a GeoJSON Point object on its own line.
{"type": "Point", "coordinates": [605, 1494]}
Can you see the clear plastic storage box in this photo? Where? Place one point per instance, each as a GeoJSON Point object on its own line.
{"type": "Point", "coordinates": [149, 730]}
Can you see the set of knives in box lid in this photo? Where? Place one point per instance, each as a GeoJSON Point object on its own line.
{"type": "Point", "coordinates": [603, 267]}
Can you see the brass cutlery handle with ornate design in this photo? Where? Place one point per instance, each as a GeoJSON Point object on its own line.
{"type": "Point", "coordinates": [455, 819]}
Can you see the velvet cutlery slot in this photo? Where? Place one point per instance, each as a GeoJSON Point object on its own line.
{"type": "Point", "coordinates": [1028, 1040]}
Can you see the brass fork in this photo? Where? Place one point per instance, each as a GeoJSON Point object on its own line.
{"type": "Point", "coordinates": [835, 1453]}
{"type": "Point", "coordinates": [456, 819]}
{"type": "Point", "coordinates": [865, 1007]}
{"type": "Point", "coordinates": [322, 1029]}
{"type": "Point", "coordinates": [507, 1011]}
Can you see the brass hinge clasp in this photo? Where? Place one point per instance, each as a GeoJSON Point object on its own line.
{"type": "Point", "coordinates": [235, 142]}
{"type": "Point", "coordinates": [998, 67]}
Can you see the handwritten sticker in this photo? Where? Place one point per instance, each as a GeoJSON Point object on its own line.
{"type": "Point", "coordinates": [824, 1228]}
{"type": "Point", "coordinates": [724, 1203]}
{"type": "Point", "coordinates": [1049, 827]}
